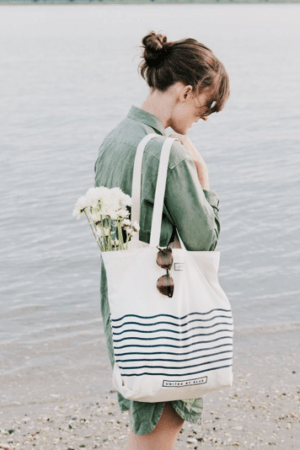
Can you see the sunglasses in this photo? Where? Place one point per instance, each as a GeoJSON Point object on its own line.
{"type": "Point", "coordinates": [165, 283]}
{"type": "Point", "coordinates": [207, 109]}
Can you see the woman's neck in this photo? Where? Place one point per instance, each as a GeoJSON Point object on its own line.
{"type": "Point", "coordinates": [160, 104]}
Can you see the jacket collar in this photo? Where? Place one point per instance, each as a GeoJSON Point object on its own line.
{"type": "Point", "coordinates": [145, 117]}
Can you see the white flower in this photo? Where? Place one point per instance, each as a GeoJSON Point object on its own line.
{"type": "Point", "coordinates": [97, 192]}
{"type": "Point", "coordinates": [111, 205]}
{"type": "Point", "coordinates": [123, 213]}
{"type": "Point", "coordinates": [116, 191]}
{"type": "Point", "coordinates": [109, 211]}
{"type": "Point", "coordinates": [80, 205]}
{"type": "Point", "coordinates": [126, 223]}
{"type": "Point", "coordinates": [96, 196]}
{"type": "Point", "coordinates": [127, 200]}
{"type": "Point", "coordinates": [120, 196]}
{"type": "Point", "coordinates": [113, 215]}
{"type": "Point", "coordinates": [96, 216]}
{"type": "Point", "coordinates": [135, 226]}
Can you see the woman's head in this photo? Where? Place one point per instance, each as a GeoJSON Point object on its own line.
{"type": "Point", "coordinates": [188, 69]}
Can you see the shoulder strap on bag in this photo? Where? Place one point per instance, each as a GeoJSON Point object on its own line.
{"type": "Point", "coordinates": [136, 180]}
{"type": "Point", "coordinates": [159, 192]}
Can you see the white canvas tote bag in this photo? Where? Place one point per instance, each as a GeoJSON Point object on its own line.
{"type": "Point", "coordinates": [166, 348]}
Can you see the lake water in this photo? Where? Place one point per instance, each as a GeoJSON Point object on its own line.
{"type": "Point", "coordinates": [68, 76]}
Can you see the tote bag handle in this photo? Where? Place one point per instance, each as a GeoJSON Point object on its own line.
{"type": "Point", "coordinates": [159, 192]}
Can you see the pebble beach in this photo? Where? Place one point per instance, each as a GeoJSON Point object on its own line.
{"type": "Point", "coordinates": [261, 409]}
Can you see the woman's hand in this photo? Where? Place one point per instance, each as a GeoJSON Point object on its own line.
{"type": "Point", "coordinates": [199, 162]}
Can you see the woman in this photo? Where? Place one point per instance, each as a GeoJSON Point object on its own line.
{"type": "Point", "coordinates": [187, 83]}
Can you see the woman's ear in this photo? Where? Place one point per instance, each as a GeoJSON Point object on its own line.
{"type": "Point", "coordinates": [186, 91]}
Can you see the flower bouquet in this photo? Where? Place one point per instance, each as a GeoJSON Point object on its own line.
{"type": "Point", "coordinates": [106, 212]}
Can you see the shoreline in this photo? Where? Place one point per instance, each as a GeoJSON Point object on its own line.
{"type": "Point", "coordinates": [260, 410]}
{"type": "Point", "coordinates": [141, 2]}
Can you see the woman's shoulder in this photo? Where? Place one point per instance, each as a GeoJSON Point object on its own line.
{"type": "Point", "coordinates": [129, 134]}
{"type": "Point", "coordinates": [178, 152]}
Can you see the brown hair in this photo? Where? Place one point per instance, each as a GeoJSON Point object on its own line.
{"type": "Point", "coordinates": [187, 60]}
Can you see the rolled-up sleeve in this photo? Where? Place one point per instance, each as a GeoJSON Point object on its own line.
{"type": "Point", "coordinates": [194, 211]}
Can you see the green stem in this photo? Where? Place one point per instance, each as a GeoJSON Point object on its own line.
{"type": "Point", "coordinates": [109, 236]}
{"type": "Point", "coordinates": [103, 234]}
{"type": "Point", "coordinates": [120, 234]}
{"type": "Point", "coordinates": [95, 236]}
{"type": "Point", "coordinates": [95, 227]}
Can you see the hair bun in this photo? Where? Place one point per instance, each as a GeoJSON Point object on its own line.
{"type": "Point", "coordinates": [156, 48]}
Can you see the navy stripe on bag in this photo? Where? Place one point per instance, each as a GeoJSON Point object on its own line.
{"type": "Point", "coordinates": [206, 360]}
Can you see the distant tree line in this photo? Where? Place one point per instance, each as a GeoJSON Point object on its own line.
{"type": "Point", "coordinates": [70, 0]}
{"type": "Point", "coordinates": [75, 0]}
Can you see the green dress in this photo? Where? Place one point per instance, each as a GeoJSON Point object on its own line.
{"type": "Point", "coordinates": [187, 207]}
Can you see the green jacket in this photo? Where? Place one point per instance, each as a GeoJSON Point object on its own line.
{"type": "Point", "coordinates": [193, 211]}
{"type": "Point", "coordinates": [184, 197]}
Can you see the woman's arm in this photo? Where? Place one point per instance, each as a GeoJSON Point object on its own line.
{"type": "Point", "coordinates": [194, 210]}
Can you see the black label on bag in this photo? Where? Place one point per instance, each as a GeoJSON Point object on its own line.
{"type": "Point", "coordinates": [178, 266]}
{"type": "Point", "coordinates": [194, 381]}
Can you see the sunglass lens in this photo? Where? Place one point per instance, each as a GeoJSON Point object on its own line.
{"type": "Point", "coordinates": [165, 258]}
{"type": "Point", "coordinates": [165, 285]}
